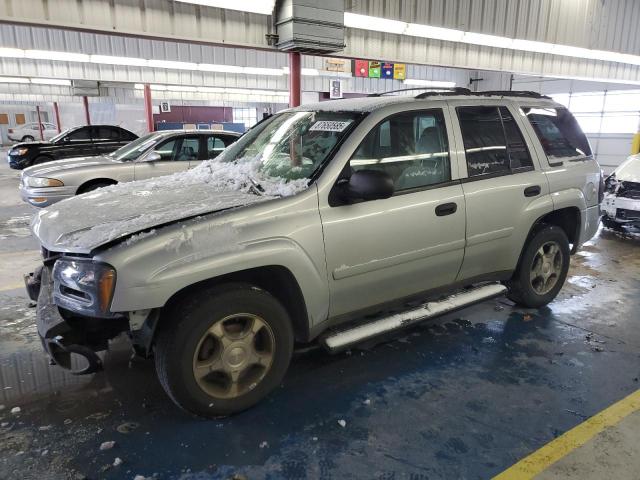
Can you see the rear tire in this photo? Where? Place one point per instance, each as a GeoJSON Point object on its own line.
{"type": "Point", "coordinates": [223, 349]}
{"type": "Point", "coordinates": [542, 269]}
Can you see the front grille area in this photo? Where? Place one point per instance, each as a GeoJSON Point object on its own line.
{"type": "Point", "coordinates": [629, 190]}
{"type": "Point", "coordinates": [624, 214]}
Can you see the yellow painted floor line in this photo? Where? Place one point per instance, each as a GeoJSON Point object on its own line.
{"type": "Point", "coordinates": [553, 451]}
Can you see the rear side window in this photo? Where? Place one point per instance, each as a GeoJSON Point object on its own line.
{"type": "Point", "coordinates": [106, 133]}
{"type": "Point", "coordinates": [558, 132]}
{"type": "Point", "coordinates": [493, 142]}
{"type": "Point", "coordinates": [411, 147]}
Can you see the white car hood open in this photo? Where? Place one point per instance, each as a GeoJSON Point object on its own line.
{"type": "Point", "coordinates": [629, 170]}
{"type": "Point", "coordinates": [83, 223]}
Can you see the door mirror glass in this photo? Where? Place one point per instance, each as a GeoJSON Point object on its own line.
{"type": "Point", "coordinates": [152, 157]}
{"type": "Point", "coordinates": [368, 185]}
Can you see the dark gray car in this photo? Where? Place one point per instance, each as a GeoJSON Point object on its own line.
{"type": "Point", "coordinates": [154, 155]}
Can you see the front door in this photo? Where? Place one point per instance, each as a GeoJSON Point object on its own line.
{"type": "Point", "coordinates": [176, 154]}
{"type": "Point", "coordinates": [504, 190]}
{"type": "Point", "coordinates": [382, 250]}
{"type": "Point", "coordinates": [78, 143]}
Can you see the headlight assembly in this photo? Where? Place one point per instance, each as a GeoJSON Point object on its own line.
{"type": "Point", "coordinates": [20, 151]}
{"type": "Point", "coordinates": [44, 182]}
{"type": "Point", "coordinates": [84, 286]}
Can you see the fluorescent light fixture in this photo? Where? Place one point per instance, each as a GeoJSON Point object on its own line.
{"type": "Point", "coordinates": [436, 33]}
{"type": "Point", "coordinates": [530, 46]}
{"type": "Point", "coordinates": [51, 81]}
{"type": "Point", "coordinates": [59, 56]}
{"type": "Point", "coordinates": [264, 7]}
{"type": "Point", "coordinates": [208, 67]}
{"type": "Point", "coordinates": [181, 88]}
{"type": "Point", "coordinates": [366, 22]}
{"type": "Point", "coordinates": [173, 65]}
{"type": "Point", "coordinates": [486, 40]}
{"type": "Point", "coordinates": [429, 83]}
{"type": "Point", "coordinates": [111, 60]}
{"type": "Point", "coordinates": [262, 71]}
{"type": "Point", "coordinates": [12, 52]}
{"type": "Point", "coordinates": [13, 80]}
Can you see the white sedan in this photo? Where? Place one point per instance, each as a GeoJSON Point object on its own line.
{"type": "Point", "coordinates": [30, 132]}
{"type": "Point", "coordinates": [621, 204]}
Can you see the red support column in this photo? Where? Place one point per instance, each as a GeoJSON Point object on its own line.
{"type": "Point", "coordinates": [148, 109]}
{"type": "Point", "coordinates": [57, 113]}
{"type": "Point", "coordinates": [85, 101]}
{"type": "Point", "coordinates": [39, 123]}
{"type": "Point", "coordinates": [294, 79]}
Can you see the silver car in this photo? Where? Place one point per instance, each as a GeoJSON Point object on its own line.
{"type": "Point", "coordinates": [154, 155]}
{"type": "Point", "coordinates": [314, 220]}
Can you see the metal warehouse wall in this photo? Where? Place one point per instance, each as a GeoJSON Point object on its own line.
{"type": "Point", "coordinates": [596, 24]}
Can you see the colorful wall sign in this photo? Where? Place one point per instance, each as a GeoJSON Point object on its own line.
{"type": "Point", "coordinates": [374, 69]}
{"type": "Point", "coordinates": [387, 70]}
{"type": "Point", "coordinates": [361, 68]}
{"type": "Point", "coordinates": [399, 71]}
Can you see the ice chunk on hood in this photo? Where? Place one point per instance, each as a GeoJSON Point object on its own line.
{"type": "Point", "coordinates": [83, 223]}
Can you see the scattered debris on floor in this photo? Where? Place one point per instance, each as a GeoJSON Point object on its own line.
{"type": "Point", "coordinates": [16, 410]}
{"type": "Point", "coordinates": [117, 462]}
{"type": "Point", "coordinates": [342, 423]}
{"type": "Point", "coordinates": [107, 445]}
{"type": "Point", "coordinates": [264, 444]}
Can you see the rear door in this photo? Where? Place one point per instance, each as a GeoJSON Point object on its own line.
{"type": "Point", "coordinates": [106, 138]}
{"type": "Point", "coordinates": [504, 189]}
{"type": "Point", "coordinates": [77, 143]}
{"type": "Point", "coordinates": [213, 146]}
{"type": "Point", "coordinates": [383, 250]}
{"type": "Point", "coordinates": [176, 153]}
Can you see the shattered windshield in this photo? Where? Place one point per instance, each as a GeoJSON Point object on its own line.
{"type": "Point", "coordinates": [133, 150]}
{"type": "Point", "coordinates": [292, 145]}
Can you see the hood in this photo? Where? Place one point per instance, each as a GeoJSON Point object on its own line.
{"type": "Point", "coordinates": [85, 222]}
{"type": "Point", "coordinates": [51, 168]}
{"type": "Point", "coordinates": [629, 170]}
{"type": "Point", "coordinates": [31, 144]}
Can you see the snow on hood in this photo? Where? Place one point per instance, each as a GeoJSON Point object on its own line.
{"type": "Point", "coordinates": [629, 170]}
{"type": "Point", "coordinates": [87, 221]}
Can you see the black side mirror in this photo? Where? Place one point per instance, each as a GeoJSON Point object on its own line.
{"type": "Point", "coordinates": [367, 185]}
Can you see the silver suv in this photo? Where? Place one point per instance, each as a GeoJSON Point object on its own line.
{"type": "Point", "coordinates": [315, 219]}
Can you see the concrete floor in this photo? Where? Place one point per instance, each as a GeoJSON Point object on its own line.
{"type": "Point", "coordinates": [464, 396]}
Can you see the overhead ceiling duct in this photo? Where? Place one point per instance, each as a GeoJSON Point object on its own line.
{"type": "Point", "coordinates": [309, 26]}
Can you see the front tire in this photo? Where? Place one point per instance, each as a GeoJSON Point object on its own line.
{"type": "Point", "coordinates": [543, 268]}
{"type": "Point", "coordinates": [28, 138]}
{"type": "Point", "coordinates": [222, 350]}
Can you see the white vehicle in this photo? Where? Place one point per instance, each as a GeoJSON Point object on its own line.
{"type": "Point", "coordinates": [30, 132]}
{"type": "Point", "coordinates": [621, 204]}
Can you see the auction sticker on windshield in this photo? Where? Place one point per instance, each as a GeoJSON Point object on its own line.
{"type": "Point", "coordinates": [329, 126]}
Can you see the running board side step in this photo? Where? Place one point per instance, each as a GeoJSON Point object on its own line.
{"type": "Point", "coordinates": [340, 340]}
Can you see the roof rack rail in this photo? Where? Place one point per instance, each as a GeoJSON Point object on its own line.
{"type": "Point", "coordinates": [512, 93]}
{"type": "Point", "coordinates": [432, 90]}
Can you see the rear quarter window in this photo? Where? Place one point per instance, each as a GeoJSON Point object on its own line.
{"type": "Point", "coordinates": [558, 132]}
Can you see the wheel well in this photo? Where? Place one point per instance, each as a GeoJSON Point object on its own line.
{"type": "Point", "coordinates": [568, 219]}
{"type": "Point", "coordinates": [96, 181]}
{"type": "Point", "coordinates": [275, 279]}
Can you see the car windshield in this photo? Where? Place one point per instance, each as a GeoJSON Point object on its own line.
{"type": "Point", "coordinates": [292, 145]}
{"type": "Point", "coordinates": [133, 150]}
{"type": "Point", "coordinates": [61, 135]}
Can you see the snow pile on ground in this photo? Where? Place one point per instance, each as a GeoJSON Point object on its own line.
{"type": "Point", "coordinates": [82, 223]}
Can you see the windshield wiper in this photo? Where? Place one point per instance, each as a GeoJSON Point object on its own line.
{"type": "Point", "coordinates": [256, 188]}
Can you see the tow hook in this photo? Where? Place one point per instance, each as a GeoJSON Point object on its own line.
{"type": "Point", "coordinates": [61, 355]}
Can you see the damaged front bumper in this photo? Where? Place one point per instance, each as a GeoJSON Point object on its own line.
{"type": "Point", "coordinates": [71, 343]}
{"type": "Point", "coordinates": [621, 210]}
